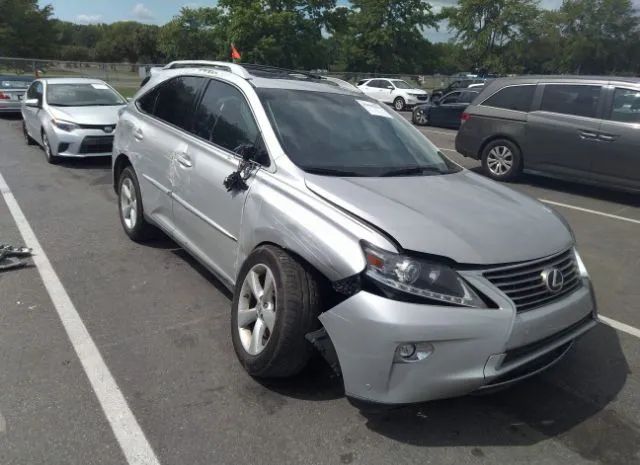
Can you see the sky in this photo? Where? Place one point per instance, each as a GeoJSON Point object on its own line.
{"type": "Point", "coordinates": [161, 11]}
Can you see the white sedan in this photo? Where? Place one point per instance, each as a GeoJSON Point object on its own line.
{"type": "Point", "coordinates": [396, 92]}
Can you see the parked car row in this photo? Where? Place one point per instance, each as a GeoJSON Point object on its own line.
{"type": "Point", "coordinates": [338, 227]}
{"type": "Point", "coordinates": [582, 128]}
{"type": "Point", "coordinates": [396, 92]}
{"type": "Point", "coordinates": [12, 90]}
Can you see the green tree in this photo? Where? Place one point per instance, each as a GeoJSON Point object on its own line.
{"type": "Point", "coordinates": [196, 33]}
{"type": "Point", "coordinates": [285, 33]}
{"type": "Point", "coordinates": [129, 41]}
{"type": "Point", "coordinates": [386, 36]}
{"type": "Point", "coordinates": [597, 35]}
{"type": "Point", "coordinates": [486, 28]}
{"type": "Point", "coordinates": [25, 29]}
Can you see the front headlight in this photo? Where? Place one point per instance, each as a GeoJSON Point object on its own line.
{"type": "Point", "coordinates": [402, 274]}
{"type": "Point", "coordinates": [66, 126]}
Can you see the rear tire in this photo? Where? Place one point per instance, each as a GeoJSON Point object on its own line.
{"type": "Point", "coordinates": [27, 138]}
{"type": "Point", "coordinates": [130, 208]}
{"type": "Point", "coordinates": [268, 332]}
{"type": "Point", "coordinates": [399, 104]}
{"type": "Point", "coordinates": [502, 160]}
{"type": "Point", "coordinates": [48, 151]}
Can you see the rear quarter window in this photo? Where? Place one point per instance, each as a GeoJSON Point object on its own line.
{"type": "Point", "coordinates": [516, 98]}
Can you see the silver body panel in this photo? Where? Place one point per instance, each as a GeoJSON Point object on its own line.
{"type": "Point", "coordinates": [323, 220]}
{"type": "Point", "coordinates": [102, 119]}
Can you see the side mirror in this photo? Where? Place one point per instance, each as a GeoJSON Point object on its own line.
{"type": "Point", "coordinates": [32, 103]}
{"type": "Point", "coordinates": [390, 87]}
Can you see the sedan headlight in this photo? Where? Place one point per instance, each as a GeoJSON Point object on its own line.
{"type": "Point", "coordinates": [66, 126]}
{"type": "Point", "coordinates": [419, 278]}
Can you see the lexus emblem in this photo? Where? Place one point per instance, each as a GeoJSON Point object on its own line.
{"type": "Point", "coordinates": [108, 129]}
{"type": "Point", "coordinates": [553, 279]}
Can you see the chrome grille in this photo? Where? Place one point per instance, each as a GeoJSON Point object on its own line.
{"type": "Point", "coordinates": [523, 282]}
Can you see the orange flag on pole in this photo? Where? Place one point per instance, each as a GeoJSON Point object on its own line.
{"type": "Point", "coordinates": [235, 55]}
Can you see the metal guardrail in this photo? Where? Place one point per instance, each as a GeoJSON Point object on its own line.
{"type": "Point", "coordinates": [129, 76]}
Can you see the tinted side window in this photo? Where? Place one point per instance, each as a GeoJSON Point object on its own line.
{"type": "Point", "coordinates": [450, 98]}
{"type": "Point", "coordinates": [626, 106]}
{"type": "Point", "coordinates": [35, 91]}
{"type": "Point", "coordinates": [175, 100]}
{"type": "Point", "coordinates": [571, 99]}
{"type": "Point", "coordinates": [224, 118]}
{"type": "Point", "coordinates": [512, 98]}
{"type": "Point", "coordinates": [467, 97]}
{"type": "Point", "coordinates": [147, 103]}
{"type": "Point", "coordinates": [31, 93]}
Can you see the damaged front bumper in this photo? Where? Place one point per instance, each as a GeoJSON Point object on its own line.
{"type": "Point", "coordinates": [459, 350]}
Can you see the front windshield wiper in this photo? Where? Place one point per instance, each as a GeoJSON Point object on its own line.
{"type": "Point", "coordinates": [413, 170]}
{"type": "Point", "coordinates": [332, 172]}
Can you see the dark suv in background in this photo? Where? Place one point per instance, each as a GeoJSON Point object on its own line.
{"type": "Point", "coordinates": [584, 128]}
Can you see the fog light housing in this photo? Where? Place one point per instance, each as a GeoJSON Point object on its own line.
{"type": "Point", "coordinates": [406, 350]}
{"type": "Point", "coordinates": [410, 352]}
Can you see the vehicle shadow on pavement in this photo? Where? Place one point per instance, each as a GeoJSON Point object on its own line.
{"type": "Point", "coordinates": [568, 402]}
{"type": "Point", "coordinates": [573, 188]}
{"type": "Point", "coordinates": [584, 190]}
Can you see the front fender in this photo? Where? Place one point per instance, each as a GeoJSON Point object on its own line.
{"type": "Point", "coordinates": [296, 219]}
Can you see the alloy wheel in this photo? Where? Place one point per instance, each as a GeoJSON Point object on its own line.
{"type": "Point", "coordinates": [399, 104]}
{"type": "Point", "coordinates": [128, 204]}
{"type": "Point", "coordinates": [257, 309]}
{"type": "Point", "coordinates": [47, 146]}
{"type": "Point", "coordinates": [421, 118]}
{"type": "Point", "coordinates": [500, 160]}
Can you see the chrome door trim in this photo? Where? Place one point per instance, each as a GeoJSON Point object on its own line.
{"type": "Point", "coordinates": [204, 218]}
{"type": "Point", "coordinates": [157, 184]}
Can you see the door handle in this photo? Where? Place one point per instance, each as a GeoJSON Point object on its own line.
{"type": "Point", "coordinates": [587, 134]}
{"type": "Point", "coordinates": [184, 159]}
{"type": "Point", "coordinates": [607, 137]}
{"type": "Point", "coordinates": [138, 134]}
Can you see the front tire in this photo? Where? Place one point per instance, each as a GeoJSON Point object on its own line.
{"type": "Point", "coordinates": [399, 104]}
{"type": "Point", "coordinates": [48, 151]}
{"type": "Point", "coordinates": [276, 303]}
{"type": "Point", "coordinates": [502, 160]}
{"type": "Point", "coordinates": [130, 208]}
{"type": "Point", "coordinates": [420, 118]}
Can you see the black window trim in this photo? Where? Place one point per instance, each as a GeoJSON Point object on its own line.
{"type": "Point", "coordinates": [253, 115]}
{"type": "Point", "coordinates": [532, 106]}
{"type": "Point", "coordinates": [601, 100]}
{"type": "Point", "coordinates": [449, 93]}
{"type": "Point", "coordinates": [608, 108]}
{"type": "Point", "coordinates": [196, 104]}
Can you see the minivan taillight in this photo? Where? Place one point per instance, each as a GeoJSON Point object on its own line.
{"type": "Point", "coordinates": [465, 117]}
{"type": "Point", "coordinates": [4, 96]}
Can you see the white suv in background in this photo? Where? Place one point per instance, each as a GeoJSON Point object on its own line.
{"type": "Point", "coordinates": [397, 92]}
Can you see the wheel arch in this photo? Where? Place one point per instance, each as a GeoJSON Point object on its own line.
{"type": "Point", "coordinates": [119, 164]}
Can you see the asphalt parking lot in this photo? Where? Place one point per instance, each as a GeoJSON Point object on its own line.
{"type": "Point", "coordinates": [159, 323]}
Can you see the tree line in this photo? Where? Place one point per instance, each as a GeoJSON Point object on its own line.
{"type": "Point", "coordinates": [383, 36]}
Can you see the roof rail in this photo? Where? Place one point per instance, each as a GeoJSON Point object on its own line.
{"type": "Point", "coordinates": [342, 83]}
{"type": "Point", "coordinates": [281, 71]}
{"type": "Point", "coordinates": [222, 65]}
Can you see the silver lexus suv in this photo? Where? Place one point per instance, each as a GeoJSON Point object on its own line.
{"type": "Point", "coordinates": [340, 228]}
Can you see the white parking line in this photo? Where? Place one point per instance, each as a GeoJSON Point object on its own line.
{"type": "Point", "coordinates": [126, 429]}
{"type": "Point", "coordinates": [448, 150]}
{"type": "Point", "coordinates": [620, 326]}
{"type": "Point", "coordinates": [594, 212]}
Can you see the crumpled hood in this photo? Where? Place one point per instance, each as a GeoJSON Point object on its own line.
{"type": "Point", "coordinates": [87, 115]}
{"type": "Point", "coordinates": [462, 216]}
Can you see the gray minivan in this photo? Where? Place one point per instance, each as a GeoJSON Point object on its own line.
{"type": "Point", "coordinates": [583, 128]}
